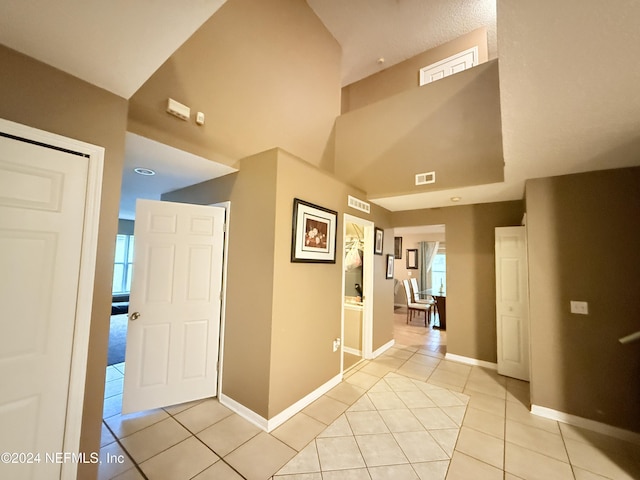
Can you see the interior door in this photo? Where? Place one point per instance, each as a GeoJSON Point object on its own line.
{"type": "Point", "coordinates": [174, 308]}
{"type": "Point", "coordinates": [42, 201]}
{"type": "Point", "coordinates": [512, 302]}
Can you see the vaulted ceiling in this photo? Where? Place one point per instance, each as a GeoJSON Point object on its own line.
{"type": "Point", "coordinates": [568, 91]}
{"type": "Point", "coordinates": [100, 41]}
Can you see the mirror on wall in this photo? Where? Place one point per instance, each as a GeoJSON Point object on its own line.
{"type": "Point", "coordinates": [353, 258]}
{"type": "Point", "coordinates": [354, 246]}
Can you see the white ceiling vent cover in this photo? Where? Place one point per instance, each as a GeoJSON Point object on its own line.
{"type": "Point", "coordinates": [425, 178]}
{"type": "Point", "coordinates": [361, 205]}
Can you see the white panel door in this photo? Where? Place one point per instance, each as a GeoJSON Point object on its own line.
{"type": "Point", "coordinates": [512, 302]}
{"type": "Point", "coordinates": [172, 345]}
{"type": "Point", "coordinates": [454, 64]}
{"type": "Point", "coordinates": [42, 201]}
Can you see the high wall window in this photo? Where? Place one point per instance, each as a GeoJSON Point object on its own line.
{"type": "Point", "coordinates": [123, 264]}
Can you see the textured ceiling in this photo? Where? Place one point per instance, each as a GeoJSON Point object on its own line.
{"type": "Point", "coordinates": [396, 30]}
{"type": "Point", "coordinates": [115, 44]}
{"type": "Point", "coordinates": [174, 169]}
{"type": "Point", "coordinates": [567, 85]}
{"type": "Point", "coordinates": [98, 41]}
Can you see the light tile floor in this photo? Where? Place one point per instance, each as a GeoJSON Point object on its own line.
{"type": "Point", "coordinates": [374, 425]}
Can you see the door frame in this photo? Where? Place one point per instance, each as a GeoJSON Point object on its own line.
{"type": "Point", "coordinates": [367, 288]}
{"type": "Point", "coordinates": [223, 305]}
{"type": "Point", "coordinates": [86, 278]}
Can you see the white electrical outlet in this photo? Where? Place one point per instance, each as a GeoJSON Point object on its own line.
{"type": "Point", "coordinates": [581, 308]}
{"type": "Point", "coordinates": [336, 344]}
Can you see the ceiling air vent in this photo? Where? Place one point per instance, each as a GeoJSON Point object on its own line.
{"type": "Point", "coordinates": [353, 202]}
{"type": "Point", "coordinates": [425, 178]}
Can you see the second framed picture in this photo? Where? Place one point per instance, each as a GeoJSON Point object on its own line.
{"type": "Point", "coordinates": [378, 245]}
{"type": "Point", "coordinates": [389, 273]}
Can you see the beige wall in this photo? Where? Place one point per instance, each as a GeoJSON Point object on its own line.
{"type": "Point", "coordinates": [37, 95]}
{"type": "Point", "coordinates": [583, 243]}
{"type": "Point", "coordinates": [406, 75]}
{"type": "Point", "coordinates": [277, 345]}
{"type": "Point", "coordinates": [451, 126]}
{"type": "Point", "coordinates": [471, 305]}
{"type": "Point", "coordinates": [559, 116]}
{"type": "Point", "coordinates": [250, 276]}
{"type": "Point", "coordinates": [382, 287]}
{"type": "Point", "coordinates": [266, 73]}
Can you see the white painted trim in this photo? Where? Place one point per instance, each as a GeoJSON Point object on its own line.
{"type": "Point", "coordinates": [287, 413]}
{"type": "Point", "coordinates": [587, 424]}
{"type": "Point", "coordinates": [368, 279]}
{"type": "Point", "coordinates": [384, 348]}
{"type": "Point", "coordinates": [243, 411]}
{"type": "Point", "coordinates": [223, 306]}
{"type": "Point", "coordinates": [275, 422]}
{"type": "Point", "coordinates": [84, 303]}
{"type": "Point", "coordinates": [471, 361]}
{"type": "Point", "coordinates": [352, 351]}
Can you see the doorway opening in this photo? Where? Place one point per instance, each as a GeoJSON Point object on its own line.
{"type": "Point", "coordinates": [357, 291]}
{"type": "Point", "coordinates": [173, 169]}
{"type": "Point", "coordinates": [421, 261]}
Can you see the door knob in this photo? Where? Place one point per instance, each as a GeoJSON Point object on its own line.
{"type": "Point", "coordinates": [134, 316]}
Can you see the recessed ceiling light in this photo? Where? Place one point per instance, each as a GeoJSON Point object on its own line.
{"type": "Point", "coordinates": [144, 171]}
{"type": "Point", "coordinates": [380, 60]}
{"type": "Point", "coordinates": [456, 199]}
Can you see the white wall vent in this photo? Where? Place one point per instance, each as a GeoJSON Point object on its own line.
{"type": "Point", "coordinates": [361, 205]}
{"type": "Point", "coordinates": [425, 178]}
{"type": "Point", "coordinates": [178, 110]}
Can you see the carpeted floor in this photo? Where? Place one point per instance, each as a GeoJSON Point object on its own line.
{"type": "Point", "coordinates": [117, 339]}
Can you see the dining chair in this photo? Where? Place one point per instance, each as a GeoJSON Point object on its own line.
{"type": "Point", "coordinates": [426, 301]}
{"type": "Point", "coordinates": [412, 306]}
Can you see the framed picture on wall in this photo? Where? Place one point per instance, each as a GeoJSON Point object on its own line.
{"type": "Point", "coordinates": [397, 247]}
{"type": "Point", "coordinates": [313, 237]}
{"type": "Point", "coordinates": [379, 241]}
{"type": "Point", "coordinates": [389, 274]}
{"type": "Point", "coordinates": [412, 259]}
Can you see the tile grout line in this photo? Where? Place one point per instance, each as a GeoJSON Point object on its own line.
{"type": "Point", "coordinates": [195, 435]}
{"type": "Point", "coordinates": [117, 440]}
{"type": "Point", "coordinates": [566, 450]}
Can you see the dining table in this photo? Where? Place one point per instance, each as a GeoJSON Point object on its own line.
{"type": "Point", "coordinates": [440, 298]}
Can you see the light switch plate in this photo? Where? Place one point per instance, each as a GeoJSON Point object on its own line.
{"type": "Point", "coordinates": [581, 308]}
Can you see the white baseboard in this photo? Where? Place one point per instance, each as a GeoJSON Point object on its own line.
{"type": "Point", "coordinates": [352, 351]}
{"type": "Point", "coordinates": [586, 423]}
{"type": "Point", "coordinates": [243, 411]}
{"type": "Point", "coordinates": [275, 422]}
{"type": "Point", "coordinates": [383, 348]}
{"type": "Point", "coordinates": [471, 361]}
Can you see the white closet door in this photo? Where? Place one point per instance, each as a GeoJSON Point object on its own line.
{"type": "Point", "coordinates": [42, 201]}
{"type": "Point", "coordinates": [512, 302]}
